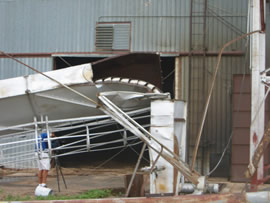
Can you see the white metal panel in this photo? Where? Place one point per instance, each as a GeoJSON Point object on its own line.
{"type": "Point", "coordinates": [257, 53]}
{"type": "Point", "coordinates": [34, 83]}
{"type": "Point", "coordinates": [162, 180]}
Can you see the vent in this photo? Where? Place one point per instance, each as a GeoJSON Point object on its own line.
{"type": "Point", "coordinates": [111, 37]}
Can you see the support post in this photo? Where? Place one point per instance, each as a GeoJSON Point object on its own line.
{"type": "Point", "coordinates": [135, 170]}
{"type": "Point", "coordinates": [125, 138]}
{"type": "Point", "coordinates": [257, 57]}
{"type": "Point", "coordinates": [178, 96]}
{"type": "Point", "coordinates": [178, 77]}
{"type": "Point", "coordinates": [87, 139]}
{"type": "Point", "coordinates": [36, 135]}
{"type": "Point", "coordinates": [48, 137]}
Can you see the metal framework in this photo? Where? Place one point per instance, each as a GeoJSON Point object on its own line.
{"type": "Point", "coordinates": [77, 131]}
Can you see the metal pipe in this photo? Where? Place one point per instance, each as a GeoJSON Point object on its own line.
{"type": "Point", "coordinates": [87, 139]}
{"type": "Point", "coordinates": [135, 170]}
{"type": "Point", "coordinates": [190, 188]}
{"type": "Point", "coordinates": [178, 77]}
{"type": "Point", "coordinates": [18, 134]}
{"type": "Point", "coordinates": [101, 54]}
{"type": "Point", "coordinates": [17, 142]}
{"type": "Point", "coordinates": [14, 147]}
{"type": "Point", "coordinates": [155, 162]}
{"type": "Point", "coordinates": [118, 115]}
{"type": "Point", "coordinates": [64, 154]}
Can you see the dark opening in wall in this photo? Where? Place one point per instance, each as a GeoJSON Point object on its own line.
{"type": "Point", "coordinates": [167, 67]}
{"type": "Point", "coordinates": [138, 66]}
{"type": "Point", "coordinates": [64, 62]}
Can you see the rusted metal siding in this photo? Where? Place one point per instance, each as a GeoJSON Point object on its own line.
{"type": "Point", "coordinates": [10, 68]}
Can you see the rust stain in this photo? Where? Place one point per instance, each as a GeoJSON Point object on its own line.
{"type": "Point", "coordinates": [255, 138]}
{"type": "Point", "coordinates": [162, 188]}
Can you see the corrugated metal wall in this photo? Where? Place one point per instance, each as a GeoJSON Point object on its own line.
{"type": "Point", "coordinates": [10, 68]}
{"type": "Point", "coordinates": [156, 26]}
{"type": "Point", "coordinates": [217, 127]}
{"type": "Point", "coordinates": [225, 20]}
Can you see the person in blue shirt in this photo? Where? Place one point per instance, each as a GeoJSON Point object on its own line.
{"type": "Point", "coordinates": [43, 159]}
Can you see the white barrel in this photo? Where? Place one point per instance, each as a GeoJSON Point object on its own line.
{"type": "Point", "coordinates": [43, 191]}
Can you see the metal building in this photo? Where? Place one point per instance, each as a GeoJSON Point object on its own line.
{"type": "Point", "coordinates": [54, 34]}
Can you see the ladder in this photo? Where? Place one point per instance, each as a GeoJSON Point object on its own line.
{"type": "Point", "coordinates": [198, 11]}
{"type": "Point", "coordinates": [197, 67]}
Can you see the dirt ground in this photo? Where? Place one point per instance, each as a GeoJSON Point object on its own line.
{"type": "Point", "coordinates": [23, 183]}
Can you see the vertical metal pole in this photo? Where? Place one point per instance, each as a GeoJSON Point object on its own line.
{"type": "Point", "coordinates": [48, 137]}
{"type": "Point", "coordinates": [189, 76]}
{"type": "Point", "coordinates": [257, 88]}
{"type": "Point", "coordinates": [39, 136]}
{"type": "Point", "coordinates": [36, 135]}
{"type": "Point", "coordinates": [57, 174]}
{"type": "Point", "coordinates": [190, 27]}
{"type": "Point", "coordinates": [87, 139]}
{"type": "Point", "coordinates": [136, 168]}
{"type": "Point", "coordinates": [125, 138]}
{"type": "Point", "coordinates": [178, 77]}
{"type": "Point", "coordinates": [204, 82]}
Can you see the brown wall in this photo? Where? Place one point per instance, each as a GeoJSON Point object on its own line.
{"type": "Point", "coordinates": [241, 101]}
